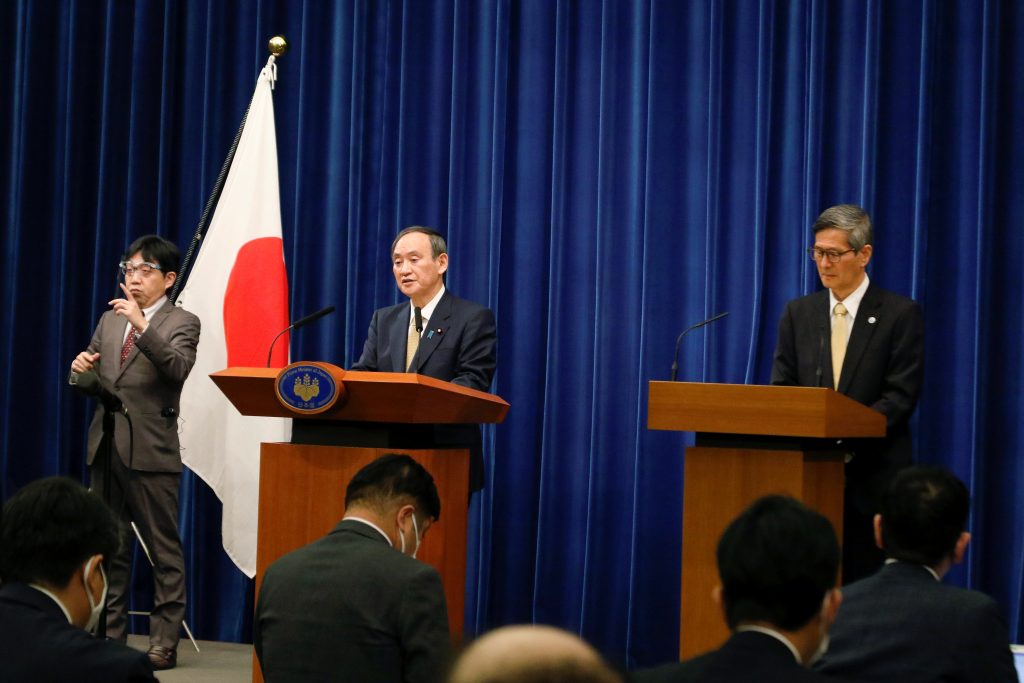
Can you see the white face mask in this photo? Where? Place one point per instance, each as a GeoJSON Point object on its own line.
{"type": "Point", "coordinates": [416, 531]}
{"type": "Point", "coordinates": [96, 608]}
{"type": "Point", "coordinates": [824, 642]}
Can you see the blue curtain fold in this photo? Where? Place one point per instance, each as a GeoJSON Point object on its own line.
{"type": "Point", "coordinates": [607, 173]}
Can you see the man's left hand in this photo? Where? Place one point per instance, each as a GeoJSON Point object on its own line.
{"type": "Point", "coordinates": [130, 310]}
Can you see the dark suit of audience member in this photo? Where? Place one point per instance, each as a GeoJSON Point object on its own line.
{"type": "Point", "coordinates": [778, 562]}
{"type": "Point", "coordinates": [456, 338]}
{"type": "Point", "coordinates": [356, 605]}
{"type": "Point", "coordinates": [882, 365]}
{"type": "Point", "coordinates": [903, 624]}
{"type": "Point", "coordinates": [53, 537]}
{"type": "Point", "coordinates": [147, 374]}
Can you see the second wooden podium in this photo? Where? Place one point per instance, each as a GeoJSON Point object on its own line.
{"type": "Point", "coordinates": [751, 441]}
{"type": "Point", "coordinates": [302, 483]}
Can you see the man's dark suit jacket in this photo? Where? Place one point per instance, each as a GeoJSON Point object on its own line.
{"type": "Point", "coordinates": [38, 645]}
{"type": "Point", "coordinates": [902, 625]}
{"type": "Point", "coordinates": [149, 383]}
{"type": "Point", "coordinates": [746, 657]}
{"type": "Point", "coordinates": [350, 607]}
{"type": "Point", "coordinates": [457, 346]}
{"type": "Point", "coordinates": [883, 369]}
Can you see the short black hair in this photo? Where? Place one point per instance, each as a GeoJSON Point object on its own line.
{"type": "Point", "coordinates": [156, 249]}
{"type": "Point", "coordinates": [437, 244]}
{"type": "Point", "coordinates": [777, 561]}
{"type": "Point", "coordinates": [924, 511]}
{"type": "Point", "coordinates": [52, 526]}
{"type": "Point", "coordinates": [395, 476]}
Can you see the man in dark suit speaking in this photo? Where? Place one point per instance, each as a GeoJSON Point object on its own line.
{"type": "Point", "coordinates": [54, 536]}
{"type": "Point", "coordinates": [356, 605]}
{"type": "Point", "coordinates": [436, 334]}
{"type": "Point", "coordinates": [866, 343]}
{"type": "Point", "coordinates": [142, 350]}
{"type": "Point", "coordinates": [903, 624]}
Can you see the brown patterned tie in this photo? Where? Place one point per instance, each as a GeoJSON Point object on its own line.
{"type": "Point", "coordinates": [129, 344]}
{"type": "Point", "coordinates": [840, 333]}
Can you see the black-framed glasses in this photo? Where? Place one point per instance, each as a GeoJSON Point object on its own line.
{"type": "Point", "coordinates": [832, 255]}
{"type": "Point", "coordinates": [145, 268]}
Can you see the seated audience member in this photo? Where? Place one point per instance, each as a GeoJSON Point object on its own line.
{"type": "Point", "coordinates": [902, 624]}
{"type": "Point", "coordinates": [778, 563]}
{"type": "Point", "coordinates": [54, 535]}
{"type": "Point", "coordinates": [356, 605]}
{"type": "Point", "coordinates": [531, 654]}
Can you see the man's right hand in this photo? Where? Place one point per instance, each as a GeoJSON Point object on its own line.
{"type": "Point", "coordinates": [84, 362]}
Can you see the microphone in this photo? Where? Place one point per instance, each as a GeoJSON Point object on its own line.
{"type": "Point", "coordinates": [821, 355]}
{"type": "Point", "coordinates": [679, 339]}
{"type": "Point", "coordinates": [419, 318]}
{"type": "Point", "coordinates": [88, 383]}
{"type": "Point", "coordinates": [296, 325]}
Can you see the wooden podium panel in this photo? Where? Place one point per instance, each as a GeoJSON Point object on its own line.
{"type": "Point", "coordinates": [752, 441]}
{"type": "Point", "coordinates": [321, 474]}
{"type": "Point", "coordinates": [725, 482]}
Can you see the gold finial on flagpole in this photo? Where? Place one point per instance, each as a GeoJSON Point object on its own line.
{"type": "Point", "coordinates": [277, 46]}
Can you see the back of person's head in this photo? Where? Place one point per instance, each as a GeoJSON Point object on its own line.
{"type": "Point", "coordinates": [924, 512]}
{"type": "Point", "coordinates": [777, 561]}
{"type": "Point", "coordinates": [850, 218]}
{"type": "Point", "coordinates": [392, 480]}
{"type": "Point", "coordinates": [156, 249]}
{"type": "Point", "coordinates": [531, 654]}
{"type": "Point", "coordinates": [50, 528]}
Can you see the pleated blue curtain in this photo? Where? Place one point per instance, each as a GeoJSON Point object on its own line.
{"type": "Point", "coordinates": [607, 173]}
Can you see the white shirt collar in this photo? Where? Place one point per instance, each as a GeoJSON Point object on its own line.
{"type": "Point", "coordinates": [893, 560]}
{"type": "Point", "coordinates": [369, 524]}
{"type": "Point", "coordinates": [53, 597]}
{"type": "Point", "coordinates": [776, 635]}
{"type": "Point", "coordinates": [427, 310]}
{"type": "Point", "coordinates": [852, 302]}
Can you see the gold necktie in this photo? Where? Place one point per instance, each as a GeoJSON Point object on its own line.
{"type": "Point", "coordinates": [840, 334]}
{"type": "Point", "coordinates": [412, 343]}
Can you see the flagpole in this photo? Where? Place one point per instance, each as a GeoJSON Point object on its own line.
{"type": "Point", "coordinates": [277, 47]}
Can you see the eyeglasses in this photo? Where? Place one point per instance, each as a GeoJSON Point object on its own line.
{"type": "Point", "coordinates": [833, 256]}
{"type": "Point", "coordinates": [145, 268]}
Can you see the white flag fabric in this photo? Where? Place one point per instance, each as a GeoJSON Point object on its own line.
{"type": "Point", "coordinates": [239, 289]}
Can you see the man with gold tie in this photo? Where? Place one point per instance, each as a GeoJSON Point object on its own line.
{"type": "Point", "coordinates": [435, 333]}
{"type": "Point", "coordinates": [864, 342]}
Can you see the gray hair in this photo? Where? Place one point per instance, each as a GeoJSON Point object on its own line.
{"type": "Point", "coordinates": [850, 218]}
{"type": "Point", "coordinates": [437, 244]}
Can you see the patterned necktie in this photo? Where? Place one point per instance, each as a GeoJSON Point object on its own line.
{"type": "Point", "coordinates": [129, 344]}
{"type": "Point", "coordinates": [840, 333]}
{"type": "Point", "coordinates": [412, 343]}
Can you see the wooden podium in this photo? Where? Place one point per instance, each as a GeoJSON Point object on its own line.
{"type": "Point", "coordinates": [751, 441]}
{"type": "Point", "coordinates": [302, 483]}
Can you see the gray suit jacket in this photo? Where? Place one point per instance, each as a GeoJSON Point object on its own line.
{"type": "Point", "coordinates": [149, 384]}
{"type": "Point", "coordinates": [902, 625]}
{"type": "Point", "coordinates": [349, 607]}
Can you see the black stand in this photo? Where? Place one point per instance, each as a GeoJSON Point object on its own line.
{"type": "Point", "coordinates": [105, 453]}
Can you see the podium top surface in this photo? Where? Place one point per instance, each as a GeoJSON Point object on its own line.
{"type": "Point", "coordinates": [810, 412]}
{"type": "Point", "coordinates": [395, 397]}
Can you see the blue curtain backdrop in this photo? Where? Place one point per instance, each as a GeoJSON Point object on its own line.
{"type": "Point", "coordinates": [606, 172]}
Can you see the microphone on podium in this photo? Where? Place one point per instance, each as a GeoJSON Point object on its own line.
{"type": "Point", "coordinates": [679, 339]}
{"type": "Point", "coordinates": [327, 310]}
